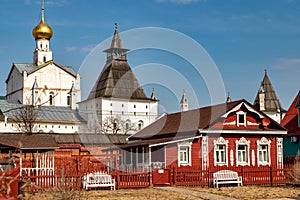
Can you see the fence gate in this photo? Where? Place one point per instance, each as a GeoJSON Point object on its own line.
{"type": "Point", "coordinates": [161, 177]}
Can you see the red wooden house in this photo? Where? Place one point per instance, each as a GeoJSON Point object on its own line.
{"type": "Point", "coordinates": [291, 122]}
{"type": "Point", "coordinates": [229, 135]}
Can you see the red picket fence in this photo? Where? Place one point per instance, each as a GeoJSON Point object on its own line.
{"type": "Point", "coordinates": [69, 172]}
{"type": "Point", "coordinates": [193, 176]}
{"type": "Point", "coordinates": [125, 180]}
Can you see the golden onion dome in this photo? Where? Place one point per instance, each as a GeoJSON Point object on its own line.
{"type": "Point", "coordinates": [42, 31]}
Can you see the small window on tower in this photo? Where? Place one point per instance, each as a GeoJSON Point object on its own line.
{"type": "Point", "coordinates": [68, 100]}
{"type": "Point", "coordinates": [44, 58]}
{"type": "Point", "coordinates": [51, 100]}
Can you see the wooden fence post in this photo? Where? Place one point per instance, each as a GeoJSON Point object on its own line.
{"type": "Point", "coordinates": [149, 177]}
{"type": "Point", "coordinates": [208, 179]}
{"type": "Point", "coordinates": [174, 176]}
{"type": "Point", "coordinates": [118, 179]}
{"type": "Point", "coordinates": [271, 176]}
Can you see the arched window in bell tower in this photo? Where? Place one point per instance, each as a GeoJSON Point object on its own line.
{"type": "Point", "coordinates": [44, 58]}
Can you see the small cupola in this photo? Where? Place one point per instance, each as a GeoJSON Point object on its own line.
{"type": "Point", "coordinates": [116, 50]}
{"type": "Point", "coordinates": [42, 30]}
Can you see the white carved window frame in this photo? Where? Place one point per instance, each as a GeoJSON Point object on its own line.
{"type": "Point", "coordinates": [184, 147]}
{"type": "Point", "coordinates": [220, 142]}
{"type": "Point", "coordinates": [238, 114]}
{"type": "Point", "coordinates": [243, 142]}
{"type": "Point", "coordinates": [205, 159]}
{"type": "Point", "coordinates": [263, 141]}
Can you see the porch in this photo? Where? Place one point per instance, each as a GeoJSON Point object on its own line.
{"type": "Point", "coordinates": [136, 159]}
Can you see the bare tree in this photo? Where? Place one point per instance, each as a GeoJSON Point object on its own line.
{"type": "Point", "coordinates": [115, 125]}
{"type": "Point", "coordinates": [26, 118]}
{"type": "Point", "coordinates": [26, 115]}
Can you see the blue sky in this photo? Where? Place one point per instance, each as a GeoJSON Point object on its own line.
{"type": "Point", "coordinates": [242, 37]}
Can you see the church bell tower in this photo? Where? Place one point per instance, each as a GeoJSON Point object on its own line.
{"type": "Point", "coordinates": [42, 34]}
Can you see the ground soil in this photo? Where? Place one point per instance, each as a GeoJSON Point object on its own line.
{"type": "Point", "coordinates": [245, 192]}
{"type": "Point", "coordinates": [128, 194]}
{"type": "Point", "coordinates": [253, 192]}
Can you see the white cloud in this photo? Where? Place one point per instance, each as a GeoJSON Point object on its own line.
{"type": "Point", "coordinates": [287, 63]}
{"type": "Point", "coordinates": [54, 3]}
{"type": "Point", "coordinates": [58, 3]}
{"type": "Point", "coordinates": [179, 1]}
{"type": "Point", "coordinates": [87, 48]}
{"type": "Point", "coordinates": [70, 49]}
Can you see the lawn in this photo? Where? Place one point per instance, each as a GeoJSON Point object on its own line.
{"type": "Point", "coordinates": [246, 192]}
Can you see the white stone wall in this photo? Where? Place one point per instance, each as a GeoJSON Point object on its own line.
{"type": "Point", "coordinates": [95, 111]}
{"type": "Point", "coordinates": [14, 86]}
{"type": "Point", "coordinates": [51, 80]}
{"type": "Point", "coordinates": [10, 127]}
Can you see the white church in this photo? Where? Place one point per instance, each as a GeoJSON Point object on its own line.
{"type": "Point", "coordinates": [117, 103]}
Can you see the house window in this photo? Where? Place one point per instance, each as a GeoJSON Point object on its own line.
{"type": "Point", "coordinates": [242, 152]}
{"type": "Point", "coordinates": [220, 152]}
{"type": "Point", "coordinates": [241, 118]}
{"type": "Point", "coordinates": [184, 154]}
{"type": "Point", "coordinates": [263, 152]}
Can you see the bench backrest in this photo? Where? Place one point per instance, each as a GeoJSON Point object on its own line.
{"type": "Point", "coordinates": [225, 175]}
{"type": "Point", "coordinates": [98, 178]}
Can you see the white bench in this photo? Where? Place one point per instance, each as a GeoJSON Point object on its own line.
{"type": "Point", "coordinates": [98, 180]}
{"type": "Point", "coordinates": [226, 177]}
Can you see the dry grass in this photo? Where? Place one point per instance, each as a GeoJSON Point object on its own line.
{"type": "Point", "coordinates": [246, 192]}
{"type": "Point", "coordinates": [253, 192]}
{"type": "Point", "coordinates": [128, 194]}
